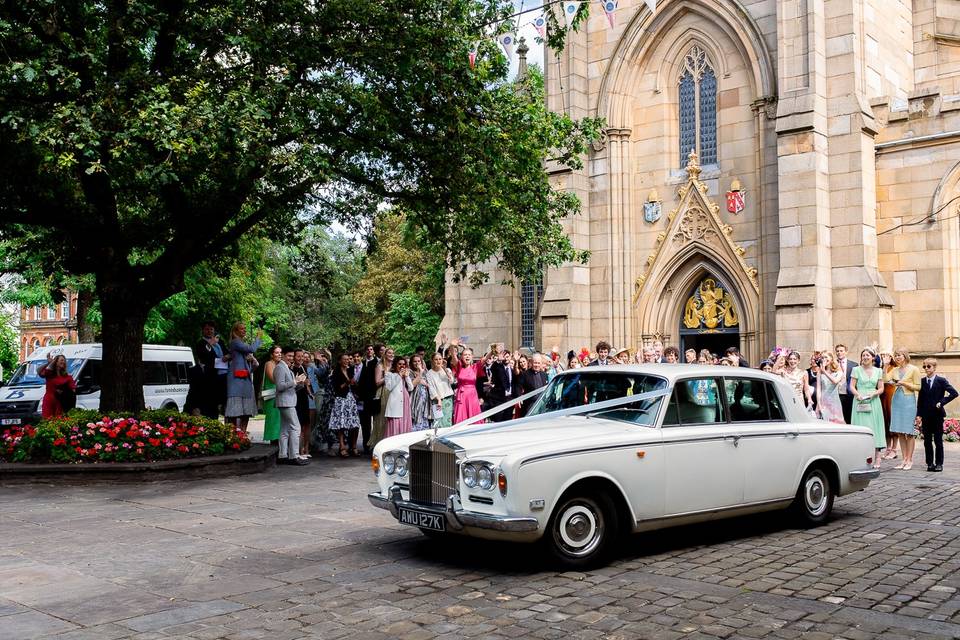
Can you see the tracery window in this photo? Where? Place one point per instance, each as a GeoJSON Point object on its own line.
{"type": "Point", "coordinates": [698, 107]}
{"type": "Point", "coordinates": [531, 293]}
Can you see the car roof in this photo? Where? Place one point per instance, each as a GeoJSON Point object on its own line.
{"type": "Point", "coordinates": [95, 349]}
{"type": "Point", "coordinates": [677, 371]}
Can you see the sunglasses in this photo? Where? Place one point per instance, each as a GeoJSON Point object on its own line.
{"type": "Point", "coordinates": [929, 366]}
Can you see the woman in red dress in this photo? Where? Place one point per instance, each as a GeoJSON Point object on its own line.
{"type": "Point", "coordinates": [55, 373]}
{"type": "Point", "coordinates": [466, 404]}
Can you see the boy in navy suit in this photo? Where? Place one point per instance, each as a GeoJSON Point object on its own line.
{"type": "Point", "coordinates": [935, 392]}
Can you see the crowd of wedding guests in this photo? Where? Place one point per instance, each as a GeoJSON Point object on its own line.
{"type": "Point", "coordinates": [342, 406]}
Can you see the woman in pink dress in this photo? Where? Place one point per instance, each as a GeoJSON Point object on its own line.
{"type": "Point", "coordinates": [466, 404]}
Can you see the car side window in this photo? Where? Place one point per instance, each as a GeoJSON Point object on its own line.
{"type": "Point", "coordinates": [773, 402]}
{"type": "Point", "coordinates": [696, 401]}
{"type": "Point", "coordinates": [154, 373]}
{"type": "Point", "coordinates": [747, 399]}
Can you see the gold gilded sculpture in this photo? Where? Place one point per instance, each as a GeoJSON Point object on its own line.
{"type": "Point", "coordinates": [710, 307]}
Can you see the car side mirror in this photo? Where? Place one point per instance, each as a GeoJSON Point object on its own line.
{"type": "Point", "coordinates": [84, 389]}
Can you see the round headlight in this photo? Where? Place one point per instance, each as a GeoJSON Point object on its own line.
{"type": "Point", "coordinates": [485, 478]}
{"type": "Point", "coordinates": [389, 463]}
{"type": "Point", "coordinates": [401, 464]}
{"type": "Point", "coordinates": [470, 475]}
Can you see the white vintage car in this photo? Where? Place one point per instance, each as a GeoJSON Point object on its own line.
{"type": "Point", "coordinates": [606, 451]}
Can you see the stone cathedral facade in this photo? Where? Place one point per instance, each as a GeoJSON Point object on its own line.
{"type": "Point", "coordinates": [774, 172]}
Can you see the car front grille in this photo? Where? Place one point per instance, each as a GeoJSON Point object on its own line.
{"type": "Point", "coordinates": [21, 409]}
{"type": "Point", "coordinates": [433, 473]}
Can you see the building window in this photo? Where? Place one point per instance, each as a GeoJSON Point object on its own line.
{"type": "Point", "coordinates": [531, 293]}
{"type": "Point", "coordinates": [36, 344]}
{"type": "Point", "coordinates": [62, 340]}
{"type": "Point", "coordinates": [51, 313]}
{"type": "Point", "coordinates": [698, 107]}
{"type": "Point", "coordinates": [65, 309]}
{"type": "Point", "coordinates": [36, 313]}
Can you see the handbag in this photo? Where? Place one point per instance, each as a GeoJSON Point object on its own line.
{"type": "Point", "coordinates": [67, 397]}
{"type": "Point", "coordinates": [864, 407]}
{"type": "Point", "coordinates": [268, 394]}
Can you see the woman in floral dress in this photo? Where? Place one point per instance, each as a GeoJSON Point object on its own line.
{"type": "Point", "coordinates": [828, 389]}
{"type": "Point", "coordinates": [866, 382]}
{"type": "Point", "coordinates": [421, 411]}
{"type": "Point", "coordinates": [440, 380]}
{"type": "Point", "coordinates": [344, 417]}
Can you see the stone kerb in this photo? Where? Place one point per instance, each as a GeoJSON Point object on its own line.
{"type": "Point", "coordinates": [257, 459]}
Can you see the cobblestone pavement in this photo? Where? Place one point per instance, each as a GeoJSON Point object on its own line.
{"type": "Point", "coordinates": [298, 553]}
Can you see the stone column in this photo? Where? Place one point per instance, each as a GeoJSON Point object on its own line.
{"type": "Point", "coordinates": [804, 314]}
{"type": "Point", "coordinates": [619, 233]}
{"type": "Point", "coordinates": [862, 306]}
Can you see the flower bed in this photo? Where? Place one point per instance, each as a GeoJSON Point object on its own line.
{"type": "Point", "coordinates": [86, 436]}
{"type": "Point", "coordinates": [951, 430]}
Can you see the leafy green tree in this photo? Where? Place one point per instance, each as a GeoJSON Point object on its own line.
{"type": "Point", "coordinates": [398, 260]}
{"type": "Point", "coordinates": [138, 139]}
{"type": "Point", "coordinates": [9, 347]}
{"type": "Point", "coordinates": [410, 323]}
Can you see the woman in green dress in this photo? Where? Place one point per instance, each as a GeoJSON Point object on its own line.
{"type": "Point", "coordinates": [867, 385]}
{"type": "Point", "coordinates": [271, 422]}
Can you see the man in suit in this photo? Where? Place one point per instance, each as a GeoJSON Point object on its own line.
{"type": "Point", "coordinates": [603, 355]}
{"type": "Point", "coordinates": [210, 353]}
{"type": "Point", "coordinates": [846, 394]}
{"type": "Point", "coordinates": [501, 387]}
{"type": "Point", "coordinates": [286, 403]}
{"type": "Point", "coordinates": [532, 379]}
{"type": "Point", "coordinates": [367, 393]}
{"type": "Point", "coordinates": [735, 356]}
{"type": "Point", "coordinates": [935, 392]}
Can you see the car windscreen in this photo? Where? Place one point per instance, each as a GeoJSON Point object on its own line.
{"type": "Point", "coordinates": [26, 373]}
{"type": "Point", "coordinates": [584, 387]}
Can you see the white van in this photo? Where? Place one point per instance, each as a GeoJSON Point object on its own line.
{"type": "Point", "coordinates": [164, 380]}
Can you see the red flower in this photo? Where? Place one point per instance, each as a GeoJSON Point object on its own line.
{"type": "Point", "coordinates": [59, 442]}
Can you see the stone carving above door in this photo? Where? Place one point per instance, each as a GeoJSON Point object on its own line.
{"type": "Point", "coordinates": [695, 221]}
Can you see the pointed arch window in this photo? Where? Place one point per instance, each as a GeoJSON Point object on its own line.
{"type": "Point", "coordinates": [531, 294]}
{"type": "Point", "coordinates": [698, 107]}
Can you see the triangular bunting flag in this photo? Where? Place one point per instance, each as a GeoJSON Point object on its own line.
{"type": "Point", "coordinates": [652, 4]}
{"type": "Point", "coordinates": [506, 41]}
{"type": "Point", "coordinates": [609, 6]}
{"type": "Point", "coordinates": [473, 54]}
{"type": "Point", "coordinates": [570, 10]}
{"type": "Point", "coordinates": [540, 23]}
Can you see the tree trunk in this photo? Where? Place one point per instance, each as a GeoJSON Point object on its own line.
{"type": "Point", "coordinates": [84, 328]}
{"type": "Point", "coordinates": [121, 379]}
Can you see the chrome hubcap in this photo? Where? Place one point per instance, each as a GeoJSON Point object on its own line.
{"type": "Point", "coordinates": [816, 495]}
{"type": "Point", "coordinates": [579, 529]}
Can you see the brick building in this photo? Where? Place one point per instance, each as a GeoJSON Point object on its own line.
{"type": "Point", "coordinates": [820, 204]}
{"type": "Point", "coordinates": [45, 326]}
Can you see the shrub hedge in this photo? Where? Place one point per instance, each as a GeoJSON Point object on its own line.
{"type": "Point", "coordinates": [85, 436]}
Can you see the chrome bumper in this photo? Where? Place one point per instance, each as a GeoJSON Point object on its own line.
{"type": "Point", "coordinates": [864, 475]}
{"type": "Point", "coordinates": [454, 514]}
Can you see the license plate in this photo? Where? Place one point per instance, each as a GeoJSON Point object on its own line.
{"type": "Point", "coordinates": [423, 519]}
{"type": "Point", "coordinates": [10, 421]}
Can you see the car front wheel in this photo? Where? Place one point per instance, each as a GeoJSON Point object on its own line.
{"type": "Point", "coordinates": [582, 530]}
{"type": "Point", "coordinates": [814, 500]}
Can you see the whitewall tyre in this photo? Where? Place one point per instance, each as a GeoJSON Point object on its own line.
{"type": "Point", "coordinates": [581, 531]}
{"type": "Point", "coordinates": [814, 500]}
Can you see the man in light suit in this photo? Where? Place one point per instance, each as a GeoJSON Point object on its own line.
{"type": "Point", "coordinates": [286, 403]}
{"type": "Point", "coordinates": [935, 392]}
{"type": "Point", "coordinates": [846, 394]}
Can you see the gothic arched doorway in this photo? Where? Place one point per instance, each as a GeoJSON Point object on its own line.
{"type": "Point", "coordinates": [710, 318]}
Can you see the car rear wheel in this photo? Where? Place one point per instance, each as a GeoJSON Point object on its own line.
{"type": "Point", "coordinates": [814, 500]}
{"type": "Point", "coordinates": [582, 530]}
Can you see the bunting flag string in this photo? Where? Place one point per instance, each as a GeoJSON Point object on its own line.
{"type": "Point", "coordinates": [571, 8]}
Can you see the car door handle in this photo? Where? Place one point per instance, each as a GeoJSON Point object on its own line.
{"type": "Point", "coordinates": [736, 439]}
